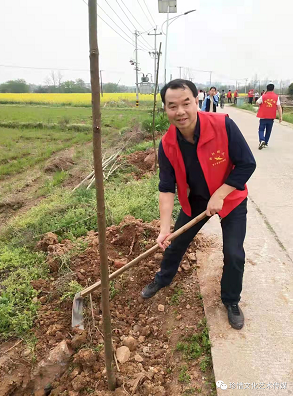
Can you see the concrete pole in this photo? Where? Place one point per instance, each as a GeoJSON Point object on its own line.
{"type": "Point", "coordinates": [136, 69]}
{"type": "Point", "coordinates": [166, 45]}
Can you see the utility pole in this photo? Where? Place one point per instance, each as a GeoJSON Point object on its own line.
{"type": "Point", "coordinates": [246, 84]}
{"type": "Point", "coordinates": [101, 82]}
{"type": "Point", "coordinates": [236, 86]}
{"type": "Point", "coordinates": [210, 78]}
{"type": "Point", "coordinates": [136, 69]}
{"type": "Point", "coordinates": [166, 43]}
{"type": "Point", "coordinates": [156, 54]}
{"type": "Point", "coordinates": [154, 108]}
{"type": "Point", "coordinates": [180, 67]}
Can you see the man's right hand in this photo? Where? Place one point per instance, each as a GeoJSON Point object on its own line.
{"type": "Point", "coordinates": [161, 240]}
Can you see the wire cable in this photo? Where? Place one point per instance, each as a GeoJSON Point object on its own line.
{"type": "Point", "coordinates": [126, 25]}
{"type": "Point", "coordinates": [132, 44]}
{"type": "Point", "coordinates": [144, 13]}
{"type": "Point", "coordinates": [130, 13]}
{"type": "Point", "coordinates": [149, 12]}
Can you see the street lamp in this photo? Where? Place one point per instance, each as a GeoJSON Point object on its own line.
{"type": "Point", "coordinates": [166, 41]}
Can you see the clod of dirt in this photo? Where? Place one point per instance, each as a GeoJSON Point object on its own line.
{"type": "Point", "coordinates": [48, 239]}
{"type": "Point", "coordinates": [130, 342]}
{"type": "Point", "coordinates": [185, 266]}
{"type": "Point", "coordinates": [79, 382]}
{"type": "Point", "coordinates": [138, 358]}
{"type": "Point", "coordinates": [191, 256]}
{"type": "Point", "coordinates": [11, 205]}
{"type": "Point", "coordinates": [78, 340]}
{"type": "Point", "coordinates": [161, 308]}
{"type": "Point", "coordinates": [123, 354]}
{"type": "Point", "coordinates": [58, 164]}
{"type": "Point", "coordinates": [120, 263]}
{"type": "Point", "coordinates": [85, 358]}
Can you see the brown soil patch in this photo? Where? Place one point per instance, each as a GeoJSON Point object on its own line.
{"type": "Point", "coordinates": [144, 161]}
{"type": "Point", "coordinates": [156, 324]}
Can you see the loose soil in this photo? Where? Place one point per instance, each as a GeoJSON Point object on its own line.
{"type": "Point", "coordinates": [154, 366]}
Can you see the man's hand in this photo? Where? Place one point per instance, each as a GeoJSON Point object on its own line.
{"type": "Point", "coordinates": [280, 120]}
{"type": "Point", "coordinates": [161, 240]}
{"type": "Point", "coordinates": [215, 204]}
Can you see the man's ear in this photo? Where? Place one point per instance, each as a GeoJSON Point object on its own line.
{"type": "Point", "coordinates": [196, 100]}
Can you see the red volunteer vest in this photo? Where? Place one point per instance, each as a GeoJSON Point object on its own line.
{"type": "Point", "coordinates": [268, 108]}
{"type": "Point", "coordinates": [213, 156]}
{"type": "Point", "coordinates": [250, 93]}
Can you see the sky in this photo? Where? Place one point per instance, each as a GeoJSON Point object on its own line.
{"type": "Point", "coordinates": [234, 39]}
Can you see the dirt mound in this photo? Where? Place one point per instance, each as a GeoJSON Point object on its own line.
{"type": "Point", "coordinates": [148, 330]}
{"type": "Point", "coordinates": [143, 160]}
{"type": "Point", "coordinates": [11, 205]}
{"type": "Point", "coordinates": [61, 162]}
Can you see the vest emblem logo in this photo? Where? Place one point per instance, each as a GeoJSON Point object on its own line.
{"type": "Point", "coordinates": [217, 158]}
{"type": "Point", "coordinates": [270, 102]}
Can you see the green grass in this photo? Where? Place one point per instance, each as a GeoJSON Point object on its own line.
{"type": "Point", "coordinates": [288, 117]}
{"type": "Point", "coordinates": [175, 299]}
{"type": "Point", "coordinates": [19, 267]}
{"type": "Point", "coordinates": [21, 149]}
{"type": "Point", "coordinates": [184, 377]}
{"type": "Point", "coordinates": [64, 116]}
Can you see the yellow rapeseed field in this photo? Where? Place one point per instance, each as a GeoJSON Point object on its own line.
{"type": "Point", "coordinates": [71, 99]}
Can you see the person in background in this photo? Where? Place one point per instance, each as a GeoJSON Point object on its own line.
{"type": "Point", "coordinates": [229, 96]}
{"type": "Point", "coordinates": [200, 98]}
{"type": "Point", "coordinates": [256, 96]}
{"type": "Point", "coordinates": [262, 92]}
{"type": "Point", "coordinates": [211, 105]}
{"type": "Point", "coordinates": [235, 96]}
{"type": "Point", "coordinates": [250, 96]}
{"type": "Point", "coordinates": [222, 98]}
{"type": "Point", "coordinates": [268, 104]}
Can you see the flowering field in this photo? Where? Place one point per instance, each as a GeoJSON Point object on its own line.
{"type": "Point", "coordinates": [69, 99]}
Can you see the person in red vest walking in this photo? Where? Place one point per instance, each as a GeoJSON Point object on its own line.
{"type": "Point", "coordinates": [268, 104]}
{"type": "Point", "coordinates": [229, 96]}
{"type": "Point", "coordinates": [235, 96]}
{"type": "Point", "coordinates": [250, 96]}
{"type": "Point", "coordinates": [207, 157]}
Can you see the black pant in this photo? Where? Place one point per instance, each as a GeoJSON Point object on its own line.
{"type": "Point", "coordinates": [235, 100]}
{"type": "Point", "coordinates": [229, 100]}
{"type": "Point", "coordinates": [233, 230]}
{"type": "Point", "coordinates": [250, 100]}
{"type": "Point", "coordinates": [200, 103]}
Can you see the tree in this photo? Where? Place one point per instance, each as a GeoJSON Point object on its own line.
{"type": "Point", "coordinates": [15, 86]}
{"type": "Point", "coordinates": [290, 89]}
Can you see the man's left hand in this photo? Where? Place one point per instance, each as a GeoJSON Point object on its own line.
{"type": "Point", "coordinates": [215, 204]}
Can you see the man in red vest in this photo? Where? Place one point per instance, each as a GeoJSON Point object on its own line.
{"type": "Point", "coordinates": [207, 157]}
{"type": "Point", "coordinates": [250, 96]}
{"type": "Point", "coordinates": [235, 96]}
{"type": "Point", "coordinates": [229, 96]}
{"type": "Point", "coordinates": [268, 104]}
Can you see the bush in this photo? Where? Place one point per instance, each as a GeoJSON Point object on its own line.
{"type": "Point", "coordinates": [161, 123]}
{"type": "Point", "coordinates": [290, 89]}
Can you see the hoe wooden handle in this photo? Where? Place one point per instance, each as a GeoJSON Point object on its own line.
{"type": "Point", "coordinates": [153, 249]}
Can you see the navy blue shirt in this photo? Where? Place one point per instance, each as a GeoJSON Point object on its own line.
{"type": "Point", "coordinates": [239, 153]}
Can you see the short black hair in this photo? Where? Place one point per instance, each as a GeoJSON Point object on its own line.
{"type": "Point", "coordinates": [270, 87]}
{"type": "Point", "coordinates": [214, 88]}
{"type": "Point", "coordinates": [223, 90]}
{"type": "Point", "coordinates": [178, 84]}
{"type": "Point", "coordinates": [200, 90]}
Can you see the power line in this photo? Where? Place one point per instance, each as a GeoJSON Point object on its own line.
{"type": "Point", "coordinates": [114, 29]}
{"type": "Point", "coordinates": [130, 20]}
{"type": "Point", "coordinates": [144, 13]}
{"type": "Point", "coordinates": [130, 13]}
{"type": "Point", "coordinates": [124, 23]}
{"type": "Point", "coordinates": [149, 12]}
{"type": "Point", "coordinates": [55, 68]}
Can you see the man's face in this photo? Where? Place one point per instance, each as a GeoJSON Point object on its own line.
{"type": "Point", "coordinates": [213, 92]}
{"type": "Point", "coordinates": [181, 107]}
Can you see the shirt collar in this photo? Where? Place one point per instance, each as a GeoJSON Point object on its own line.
{"type": "Point", "coordinates": [181, 138]}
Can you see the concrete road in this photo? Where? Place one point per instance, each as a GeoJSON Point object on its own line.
{"type": "Point", "coordinates": [259, 358]}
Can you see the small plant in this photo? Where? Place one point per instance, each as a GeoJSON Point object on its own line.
{"type": "Point", "coordinates": [113, 291]}
{"type": "Point", "coordinates": [73, 288]}
{"type": "Point", "coordinates": [189, 391]}
{"type": "Point", "coordinates": [205, 364]}
{"type": "Point", "coordinates": [176, 296]}
{"type": "Point", "coordinates": [183, 375]}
